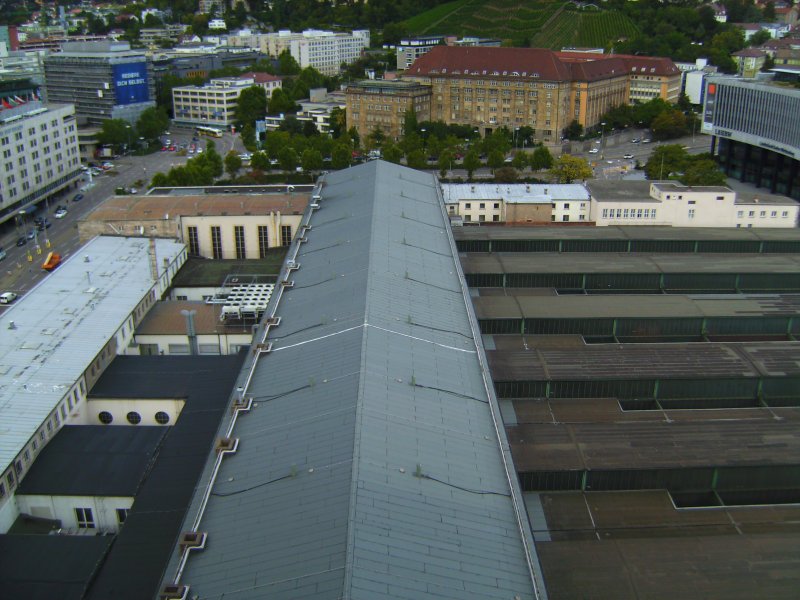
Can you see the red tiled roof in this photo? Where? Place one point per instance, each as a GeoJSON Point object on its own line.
{"type": "Point", "coordinates": [750, 53]}
{"type": "Point", "coordinates": [488, 61]}
{"type": "Point", "coordinates": [535, 62]}
{"type": "Point", "coordinates": [260, 77]}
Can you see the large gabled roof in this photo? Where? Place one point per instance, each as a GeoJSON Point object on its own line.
{"type": "Point", "coordinates": [373, 463]}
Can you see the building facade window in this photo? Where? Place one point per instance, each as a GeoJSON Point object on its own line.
{"type": "Point", "coordinates": [216, 242]}
{"type": "Point", "coordinates": [238, 235]}
{"type": "Point", "coordinates": [286, 235]}
{"type": "Point", "coordinates": [263, 241]}
{"type": "Point", "coordinates": [162, 418]}
{"type": "Point", "coordinates": [84, 518]}
{"type": "Point", "coordinates": [194, 244]}
{"type": "Point", "coordinates": [122, 514]}
{"type": "Point", "coordinates": [106, 418]}
{"type": "Point", "coordinates": [134, 418]}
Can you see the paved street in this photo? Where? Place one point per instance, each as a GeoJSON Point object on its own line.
{"type": "Point", "coordinates": [21, 270]}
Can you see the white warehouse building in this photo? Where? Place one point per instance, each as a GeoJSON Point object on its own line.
{"type": "Point", "coordinates": [61, 336]}
{"type": "Point", "coordinates": [673, 204]}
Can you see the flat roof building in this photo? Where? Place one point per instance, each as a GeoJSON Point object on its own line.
{"type": "Point", "coordinates": [104, 80]}
{"type": "Point", "coordinates": [53, 354]}
{"type": "Point", "coordinates": [630, 405]}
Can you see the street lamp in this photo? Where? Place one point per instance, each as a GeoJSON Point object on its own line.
{"type": "Point", "coordinates": [516, 137]}
{"type": "Point", "coordinates": [602, 135]}
{"type": "Point", "coordinates": [128, 127]}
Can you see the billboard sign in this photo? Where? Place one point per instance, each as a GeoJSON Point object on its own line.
{"type": "Point", "coordinates": [130, 83]}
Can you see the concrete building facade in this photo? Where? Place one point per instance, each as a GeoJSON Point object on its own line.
{"type": "Point", "coordinates": [323, 50]}
{"type": "Point", "coordinates": [104, 80]}
{"type": "Point", "coordinates": [38, 155]}
{"type": "Point", "coordinates": [676, 205]}
{"type": "Point", "coordinates": [373, 104]}
{"type": "Point", "coordinates": [755, 132]}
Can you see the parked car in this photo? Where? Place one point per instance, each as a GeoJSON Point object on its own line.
{"type": "Point", "coordinates": [646, 141]}
{"type": "Point", "coordinates": [628, 156]}
{"type": "Point", "coordinates": [635, 141]}
{"type": "Point", "coordinates": [7, 297]}
{"type": "Point", "coordinates": [77, 197]}
{"type": "Point", "coordinates": [61, 213]}
{"type": "Point", "coordinates": [594, 151]}
{"type": "Point", "coordinates": [21, 241]}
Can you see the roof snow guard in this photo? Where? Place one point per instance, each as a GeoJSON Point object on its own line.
{"type": "Point", "coordinates": [372, 462]}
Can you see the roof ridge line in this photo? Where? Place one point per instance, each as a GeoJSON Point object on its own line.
{"type": "Point", "coordinates": [351, 509]}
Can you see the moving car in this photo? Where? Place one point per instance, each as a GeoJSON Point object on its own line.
{"type": "Point", "coordinates": [43, 225]}
{"type": "Point", "coordinates": [21, 241]}
{"type": "Point", "coordinates": [52, 261]}
{"type": "Point", "coordinates": [3, 254]}
{"type": "Point", "coordinates": [628, 156]}
{"type": "Point", "coordinates": [61, 213]}
{"type": "Point", "coordinates": [594, 151]}
{"type": "Point", "coordinates": [635, 141]}
{"type": "Point", "coordinates": [31, 235]}
{"type": "Point", "coordinates": [646, 141]}
{"type": "Point", "coordinates": [7, 297]}
{"type": "Point", "coordinates": [77, 197]}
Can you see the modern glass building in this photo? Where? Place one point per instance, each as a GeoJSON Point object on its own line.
{"type": "Point", "coordinates": [755, 131]}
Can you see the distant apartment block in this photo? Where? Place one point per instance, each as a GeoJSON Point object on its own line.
{"type": "Point", "coordinates": [323, 50]}
{"type": "Point", "coordinates": [214, 104]}
{"type": "Point", "coordinates": [104, 80]}
{"type": "Point", "coordinates": [755, 131]}
{"type": "Point", "coordinates": [38, 154]}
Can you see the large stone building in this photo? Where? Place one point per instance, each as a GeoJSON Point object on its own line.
{"type": "Point", "coordinates": [39, 149]}
{"type": "Point", "coordinates": [373, 104]}
{"type": "Point", "coordinates": [488, 88]}
{"type": "Point", "coordinates": [104, 80]}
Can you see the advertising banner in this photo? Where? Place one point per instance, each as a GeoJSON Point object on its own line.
{"type": "Point", "coordinates": [130, 83]}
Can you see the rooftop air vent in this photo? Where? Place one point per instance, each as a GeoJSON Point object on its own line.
{"type": "Point", "coordinates": [272, 321]}
{"type": "Point", "coordinates": [264, 347]}
{"type": "Point", "coordinates": [314, 205]}
{"type": "Point", "coordinates": [316, 198]}
{"type": "Point", "coordinates": [194, 540]}
{"type": "Point", "coordinates": [174, 592]}
{"type": "Point", "coordinates": [226, 445]}
{"type": "Point", "coordinates": [242, 404]}
{"type": "Point", "coordinates": [287, 284]}
{"type": "Point", "coordinates": [292, 265]}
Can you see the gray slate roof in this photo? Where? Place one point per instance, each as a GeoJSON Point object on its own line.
{"type": "Point", "coordinates": [370, 466]}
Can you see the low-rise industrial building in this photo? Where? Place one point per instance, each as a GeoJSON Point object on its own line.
{"type": "Point", "coordinates": [243, 224]}
{"type": "Point", "coordinates": [511, 203]}
{"type": "Point", "coordinates": [54, 353]}
{"type": "Point", "coordinates": [676, 205]}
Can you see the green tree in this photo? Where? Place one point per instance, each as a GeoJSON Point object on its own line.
{"type": "Point", "coordinates": [287, 65]}
{"type": "Point", "coordinates": [232, 163]}
{"type": "Point", "coordinates": [392, 153]}
{"type": "Point", "coordinates": [152, 122]}
{"type": "Point", "coordinates": [287, 157]}
{"type": "Point", "coordinates": [505, 175]}
{"type": "Point", "coordinates": [338, 122]}
{"type": "Point", "coordinates": [410, 124]}
{"type": "Point", "coordinates": [200, 24]}
{"type": "Point", "coordinates": [280, 103]}
{"type": "Point", "coordinates": [472, 162]}
{"type": "Point", "coordinates": [521, 160]}
{"type": "Point", "coordinates": [573, 131]}
{"type": "Point", "coordinates": [260, 161]}
{"type": "Point", "coordinates": [354, 137]}
{"type": "Point", "coordinates": [568, 168]}
{"type": "Point", "coordinates": [759, 37]}
{"type": "Point", "coordinates": [495, 160]}
{"type": "Point", "coordinates": [212, 159]}
{"type": "Point", "coordinates": [311, 160]}
{"type": "Point", "coordinates": [445, 161]}
{"type": "Point", "coordinates": [342, 156]}
{"type": "Point", "coordinates": [768, 13]}
{"type": "Point", "coordinates": [248, 134]}
{"type": "Point", "coordinates": [116, 133]}
{"type": "Point", "coordinates": [669, 125]}
{"type": "Point", "coordinates": [250, 106]}
{"type": "Point", "coordinates": [416, 160]}
{"type": "Point", "coordinates": [666, 159]}
{"type": "Point", "coordinates": [541, 159]}
{"type": "Point", "coordinates": [703, 172]}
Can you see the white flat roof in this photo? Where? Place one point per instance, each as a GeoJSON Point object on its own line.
{"type": "Point", "coordinates": [62, 324]}
{"type": "Point", "coordinates": [514, 193]}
